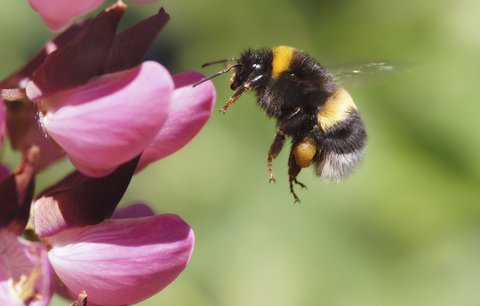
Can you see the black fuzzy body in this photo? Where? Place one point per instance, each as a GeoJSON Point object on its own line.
{"type": "Point", "coordinates": [305, 84]}
{"type": "Point", "coordinates": [307, 105]}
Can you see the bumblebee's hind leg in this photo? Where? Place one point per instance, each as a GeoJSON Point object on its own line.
{"type": "Point", "coordinates": [273, 152]}
{"type": "Point", "coordinates": [293, 171]}
{"type": "Point", "coordinates": [302, 154]}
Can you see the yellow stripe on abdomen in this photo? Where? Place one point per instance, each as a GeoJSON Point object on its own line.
{"type": "Point", "coordinates": [336, 109]}
{"type": "Point", "coordinates": [282, 58]}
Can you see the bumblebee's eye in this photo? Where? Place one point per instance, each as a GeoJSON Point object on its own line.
{"type": "Point", "coordinates": [257, 66]}
{"type": "Point", "coordinates": [292, 76]}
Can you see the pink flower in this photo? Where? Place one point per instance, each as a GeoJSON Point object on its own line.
{"type": "Point", "coordinates": [102, 106]}
{"type": "Point", "coordinates": [26, 276]}
{"type": "Point", "coordinates": [117, 261]}
{"type": "Point", "coordinates": [189, 110]}
{"type": "Point", "coordinates": [123, 261]}
{"type": "Point", "coordinates": [57, 14]}
{"type": "Point", "coordinates": [111, 119]}
{"type": "Point", "coordinates": [90, 93]}
{"type": "Point", "coordinates": [21, 115]}
{"type": "Point", "coordinates": [78, 200]}
{"type": "Point", "coordinates": [158, 115]}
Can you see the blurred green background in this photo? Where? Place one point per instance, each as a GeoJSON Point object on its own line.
{"type": "Point", "coordinates": [403, 230]}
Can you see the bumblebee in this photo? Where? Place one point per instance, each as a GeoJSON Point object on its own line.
{"type": "Point", "coordinates": [320, 117]}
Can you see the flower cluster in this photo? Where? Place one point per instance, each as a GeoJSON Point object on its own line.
{"type": "Point", "coordinates": [89, 96]}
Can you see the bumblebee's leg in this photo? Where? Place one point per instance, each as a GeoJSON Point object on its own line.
{"type": "Point", "coordinates": [234, 98]}
{"type": "Point", "coordinates": [279, 140]}
{"type": "Point", "coordinates": [249, 83]}
{"type": "Point", "coordinates": [293, 171]}
{"type": "Point", "coordinates": [273, 152]}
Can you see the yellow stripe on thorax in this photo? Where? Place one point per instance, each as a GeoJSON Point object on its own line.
{"type": "Point", "coordinates": [282, 58]}
{"type": "Point", "coordinates": [336, 109]}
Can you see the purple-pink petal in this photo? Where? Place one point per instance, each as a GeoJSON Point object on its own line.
{"type": "Point", "coordinates": [50, 152]}
{"type": "Point", "coordinates": [24, 131]}
{"type": "Point", "coordinates": [2, 122]}
{"type": "Point", "coordinates": [24, 259]}
{"type": "Point", "coordinates": [111, 119]}
{"type": "Point", "coordinates": [135, 210]}
{"type": "Point", "coordinates": [122, 261]}
{"type": "Point", "coordinates": [78, 200]}
{"type": "Point", "coordinates": [4, 172]}
{"type": "Point", "coordinates": [57, 14]}
{"type": "Point", "coordinates": [16, 193]}
{"type": "Point", "coordinates": [189, 111]}
{"type": "Point", "coordinates": [81, 300]}
{"type": "Point", "coordinates": [48, 217]}
{"type": "Point", "coordinates": [8, 295]}
{"type": "Point", "coordinates": [130, 45]}
{"type": "Point", "coordinates": [82, 58]}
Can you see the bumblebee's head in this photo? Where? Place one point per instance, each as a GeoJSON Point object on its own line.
{"type": "Point", "coordinates": [254, 68]}
{"type": "Point", "coordinates": [251, 69]}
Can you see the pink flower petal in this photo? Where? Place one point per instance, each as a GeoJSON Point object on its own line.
{"type": "Point", "coordinates": [130, 45]}
{"type": "Point", "coordinates": [82, 58]}
{"type": "Point", "coordinates": [136, 210]}
{"type": "Point", "coordinates": [16, 193]}
{"type": "Point", "coordinates": [111, 119]}
{"type": "Point", "coordinates": [9, 204]}
{"type": "Point", "coordinates": [189, 111]}
{"type": "Point", "coordinates": [2, 122]}
{"type": "Point", "coordinates": [8, 295]}
{"type": "Point", "coordinates": [23, 130]}
{"type": "Point", "coordinates": [48, 218]}
{"type": "Point", "coordinates": [49, 152]}
{"type": "Point", "coordinates": [81, 300]}
{"type": "Point", "coordinates": [78, 200]}
{"type": "Point", "coordinates": [57, 14]}
{"type": "Point", "coordinates": [122, 261]}
{"type": "Point", "coordinates": [4, 172]}
{"type": "Point", "coordinates": [24, 259]}
{"type": "Point", "coordinates": [22, 122]}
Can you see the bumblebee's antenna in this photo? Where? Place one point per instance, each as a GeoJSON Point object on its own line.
{"type": "Point", "coordinates": [225, 60]}
{"type": "Point", "coordinates": [216, 74]}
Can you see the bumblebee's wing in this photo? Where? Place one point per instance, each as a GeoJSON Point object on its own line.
{"type": "Point", "coordinates": [358, 75]}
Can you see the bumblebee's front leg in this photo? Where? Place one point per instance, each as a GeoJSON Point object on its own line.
{"type": "Point", "coordinates": [273, 152]}
{"type": "Point", "coordinates": [249, 84]}
{"type": "Point", "coordinates": [234, 98]}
